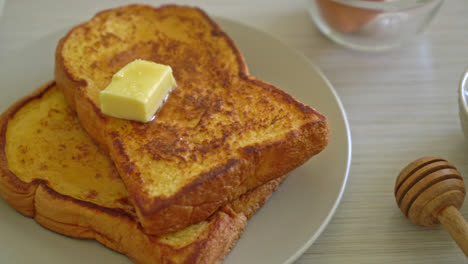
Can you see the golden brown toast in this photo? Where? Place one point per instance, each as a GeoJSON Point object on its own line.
{"type": "Point", "coordinates": [51, 170]}
{"type": "Point", "coordinates": [221, 133]}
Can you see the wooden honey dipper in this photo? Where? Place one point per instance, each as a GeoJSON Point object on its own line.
{"type": "Point", "coordinates": [430, 191]}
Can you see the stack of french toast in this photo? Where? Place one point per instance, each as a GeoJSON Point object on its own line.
{"type": "Point", "coordinates": [177, 189]}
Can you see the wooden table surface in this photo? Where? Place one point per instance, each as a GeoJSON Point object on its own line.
{"type": "Point", "coordinates": [400, 104]}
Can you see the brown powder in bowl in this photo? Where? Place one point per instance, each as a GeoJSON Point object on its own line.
{"type": "Point", "coordinates": [343, 18]}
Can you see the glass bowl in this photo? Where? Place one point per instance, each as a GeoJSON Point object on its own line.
{"type": "Point", "coordinates": [463, 103]}
{"type": "Point", "coordinates": [372, 25]}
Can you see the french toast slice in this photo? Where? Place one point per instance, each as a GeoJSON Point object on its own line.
{"type": "Point", "coordinates": [51, 170]}
{"type": "Point", "coordinates": [221, 132]}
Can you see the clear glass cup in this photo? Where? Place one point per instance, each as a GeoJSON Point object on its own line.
{"type": "Point", "coordinates": [372, 25]}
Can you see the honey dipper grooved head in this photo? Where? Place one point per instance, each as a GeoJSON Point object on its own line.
{"type": "Point", "coordinates": [426, 186]}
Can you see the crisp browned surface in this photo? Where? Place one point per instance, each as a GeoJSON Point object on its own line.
{"type": "Point", "coordinates": [220, 134]}
{"type": "Point", "coordinates": [54, 197]}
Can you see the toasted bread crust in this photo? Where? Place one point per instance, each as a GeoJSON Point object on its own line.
{"type": "Point", "coordinates": [115, 227]}
{"type": "Point", "coordinates": [251, 166]}
{"type": "Point", "coordinates": [20, 194]}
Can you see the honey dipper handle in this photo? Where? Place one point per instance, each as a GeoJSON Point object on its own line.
{"type": "Point", "coordinates": [456, 225]}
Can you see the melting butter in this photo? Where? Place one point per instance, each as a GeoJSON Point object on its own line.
{"type": "Point", "coordinates": [137, 90]}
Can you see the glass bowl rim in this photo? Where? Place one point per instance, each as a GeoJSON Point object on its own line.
{"type": "Point", "coordinates": [386, 5]}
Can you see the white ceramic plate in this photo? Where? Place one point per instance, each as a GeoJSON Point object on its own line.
{"type": "Point", "coordinates": [279, 233]}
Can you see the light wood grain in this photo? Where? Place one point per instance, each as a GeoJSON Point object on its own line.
{"type": "Point", "coordinates": [401, 105]}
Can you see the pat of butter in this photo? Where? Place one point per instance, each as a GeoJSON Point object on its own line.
{"type": "Point", "coordinates": [137, 90]}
